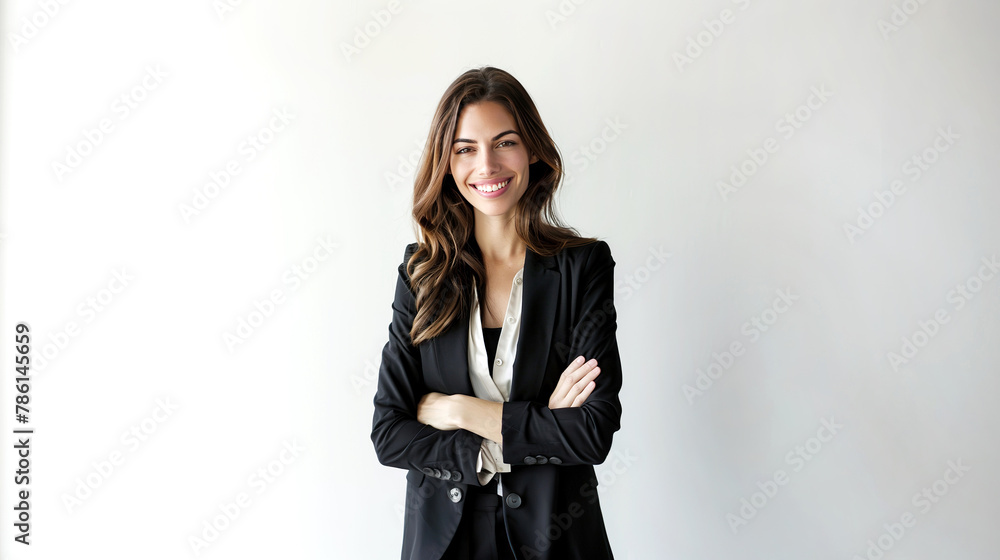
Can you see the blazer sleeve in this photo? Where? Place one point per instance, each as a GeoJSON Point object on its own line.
{"type": "Point", "coordinates": [400, 440]}
{"type": "Point", "coordinates": [580, 435]}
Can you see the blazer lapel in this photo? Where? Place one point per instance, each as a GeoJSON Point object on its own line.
{"type": "Point", "coordinates": [538, 312]}
{"type": "Point", "coordinates": [538, 315]}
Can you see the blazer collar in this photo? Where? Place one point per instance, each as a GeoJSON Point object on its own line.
{"type": "Point", "coordinates": [538, 313]}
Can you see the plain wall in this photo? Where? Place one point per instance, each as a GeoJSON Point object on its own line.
{"type": "Point", "coordinates": [135, 261]}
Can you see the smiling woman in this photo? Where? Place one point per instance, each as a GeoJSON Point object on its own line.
{"type": "Point", "coordinates": [498, 439]}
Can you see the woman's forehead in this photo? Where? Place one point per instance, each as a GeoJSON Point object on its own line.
{"type": "Point", "coordinates": [485, 115]}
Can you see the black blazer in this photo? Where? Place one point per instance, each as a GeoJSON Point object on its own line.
{"type": "Point", "coordinates": [551, 506]}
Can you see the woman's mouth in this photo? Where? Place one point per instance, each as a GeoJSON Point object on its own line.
{"type": "Point", "coordinates": [493, 189]}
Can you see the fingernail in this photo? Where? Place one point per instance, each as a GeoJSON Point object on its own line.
{"type": "Point", "coordinates": [579, 359]}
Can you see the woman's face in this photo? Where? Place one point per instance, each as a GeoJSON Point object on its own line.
{"type": "Point", "coordinates": [487, 152]}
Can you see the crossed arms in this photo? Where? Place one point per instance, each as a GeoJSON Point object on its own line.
{"type": "Point", "coordinates": [413, 428]}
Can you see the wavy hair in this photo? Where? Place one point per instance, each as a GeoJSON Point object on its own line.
{"type": "Point", "coordinates": [448, 261]}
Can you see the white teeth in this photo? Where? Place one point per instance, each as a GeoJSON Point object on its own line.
{"type": "Point", "coordinates": [492, 188]}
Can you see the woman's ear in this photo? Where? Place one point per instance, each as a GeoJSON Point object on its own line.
{"type": "Point", "coordinates": [534, 159]}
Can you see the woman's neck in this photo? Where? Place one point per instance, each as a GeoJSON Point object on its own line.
{"type": "Point", "coordinates": [498, 240]}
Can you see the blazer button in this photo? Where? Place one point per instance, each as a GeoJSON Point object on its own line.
{"type": "Point", "coordinates": [437, 473]}
{"type": "Point", "coordinates": [428, 471]}
{"type": "Point", "coordinates": [455, 495]}
{"type": "Point", "coordinates": [529, 460]}
{"type": "Point", "coordinates": [446, 474]}
{"type": "Point", "coordinates": [555, 460]}
{"type": "Point", "coordinates": [513, 500]}
{"type": "Point", "coordinates": [541, 459]}
{"type": "Point", "coordinates": [456, 476]}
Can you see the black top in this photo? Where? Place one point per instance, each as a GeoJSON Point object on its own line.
{"type": "Point", "coordinates": [491, 336]}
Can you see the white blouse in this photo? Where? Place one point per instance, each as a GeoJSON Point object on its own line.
{"type": "Point", "coordinates": [497, 387]}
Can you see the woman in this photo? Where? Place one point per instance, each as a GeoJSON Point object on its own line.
{"type": "Point", "coordinates": [488, 391]}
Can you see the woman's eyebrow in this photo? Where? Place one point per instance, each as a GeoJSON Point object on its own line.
{"type": "Point", "coordinates": [495, 138]}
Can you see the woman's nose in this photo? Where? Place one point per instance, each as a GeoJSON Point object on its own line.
{"type": "Point", "coordinates": [488, 164]}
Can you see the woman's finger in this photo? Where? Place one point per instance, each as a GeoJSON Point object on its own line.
{"type": "Point", "coordinates": [580, 385]}
{"type": "Point", "coordinates": [569, 377]}
{"type": "Point", "coordinates": [564, 382]}
{"type": "Point", "coordinates": [575, 372]}
{"type": "Point", "coordinates": [582, 397]}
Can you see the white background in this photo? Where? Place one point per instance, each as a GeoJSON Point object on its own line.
{"type": "Point", "coordinates": [690, 94]}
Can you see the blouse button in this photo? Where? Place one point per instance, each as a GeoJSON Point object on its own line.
{"type": "Point", "coordinates": [511, 320]}
{"type": "Point", "coordinates": [517, 280]}
{"type": "Point", "coordinates": [498, 362]}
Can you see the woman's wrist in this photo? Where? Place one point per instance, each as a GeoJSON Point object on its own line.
{"type": "Point", "coordinates": [479, 416]}
{"type": "Point", "coordinates": [464, 411]}
{"type": "Point", "coordinates": [458, 410]}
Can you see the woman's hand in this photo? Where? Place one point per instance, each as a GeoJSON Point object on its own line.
{"type": "Point", "coordinates": [437, 410]}
{"type": "Point", "coordinates": [575, 384]}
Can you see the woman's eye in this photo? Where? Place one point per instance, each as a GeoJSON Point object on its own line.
{"type": "Point", "coordinates": [502, 144]}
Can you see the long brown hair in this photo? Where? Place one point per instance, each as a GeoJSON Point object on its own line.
{"type": "Point", "coordinates": [448, 262]}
